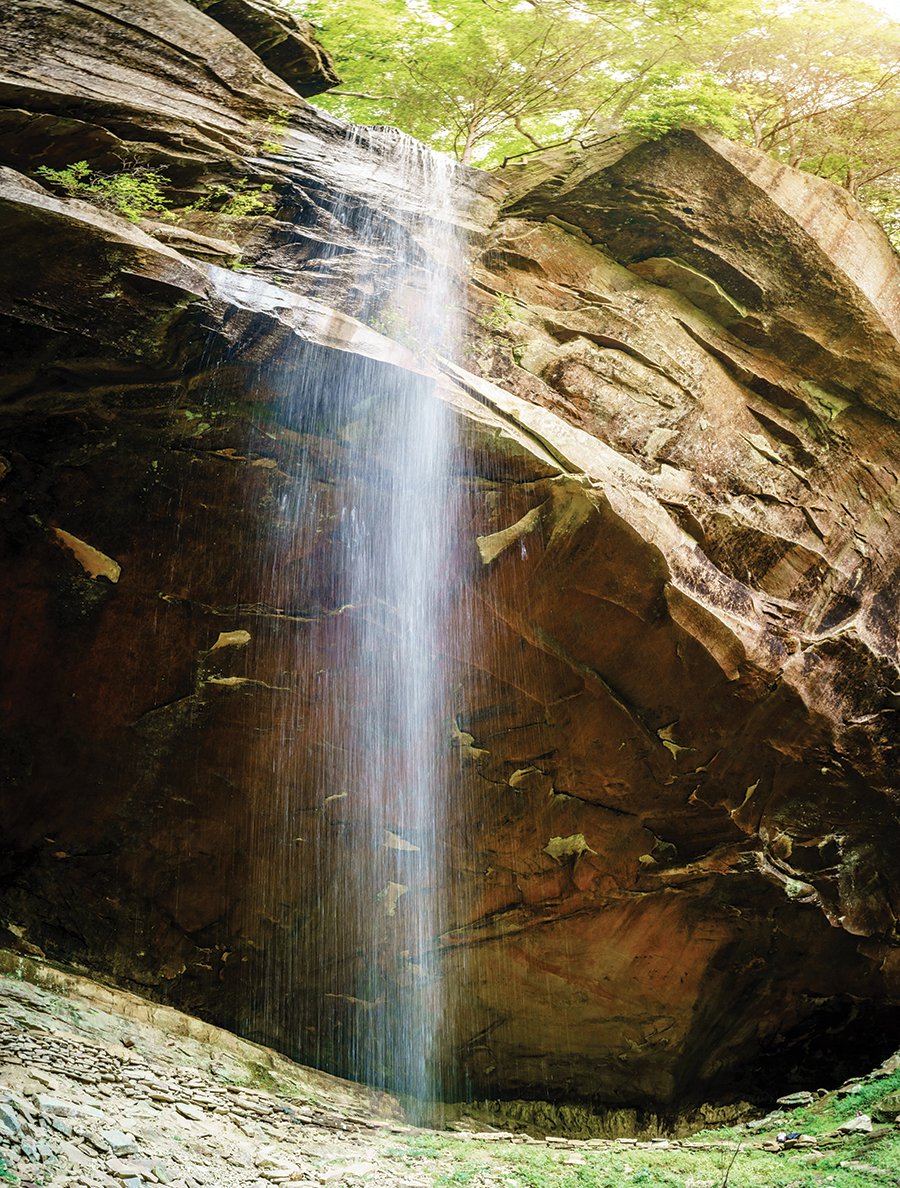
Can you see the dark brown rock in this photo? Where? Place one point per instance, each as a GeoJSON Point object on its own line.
{"type": "Point", "coordinates": [288, 46]}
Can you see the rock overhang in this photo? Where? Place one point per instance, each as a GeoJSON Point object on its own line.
{"type": "Point", "coordinates": [714, 730]}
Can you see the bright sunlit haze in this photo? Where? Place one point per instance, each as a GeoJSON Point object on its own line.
{"type": "Point", "coordinates": [814, 83]}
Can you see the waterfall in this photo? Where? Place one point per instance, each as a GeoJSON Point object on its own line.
{"type": "Point", "coordinates": [367, 807]}
{"type": "Point", "coordinates": [398, 528]}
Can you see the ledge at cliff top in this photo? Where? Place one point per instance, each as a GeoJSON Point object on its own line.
{"type": "Point", "coordinates": [286, 44]}
{"type": "Point", "coordinates": [680, 477]}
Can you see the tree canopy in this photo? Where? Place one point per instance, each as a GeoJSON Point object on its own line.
{"type": "Point", "coordinates": [814, 82]}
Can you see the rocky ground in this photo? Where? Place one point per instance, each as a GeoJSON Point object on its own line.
{"type": "Point", "coordinates": [101, 1089]}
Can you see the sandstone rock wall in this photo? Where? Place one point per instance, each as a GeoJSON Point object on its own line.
{"type": "Point", "coordinates": [675, 811]}
{"type": "Point", "coordinates": [287, 44]}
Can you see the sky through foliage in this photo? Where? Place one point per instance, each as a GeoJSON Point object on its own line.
{"type": "Point", "coordinates": [816, 83]}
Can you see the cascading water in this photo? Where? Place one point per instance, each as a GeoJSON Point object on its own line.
{"type": "Point", "coordinates": [398, 528]}
{"type": "Point", "coordinates": [380, 773]}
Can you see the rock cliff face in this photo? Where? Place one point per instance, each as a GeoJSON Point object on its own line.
{"type": "Point", "coordinates": [287, 45]}
{"type": "Point", "coordinates": [727, 327]}
{"type": "Point", "coordinates": [681, 471]}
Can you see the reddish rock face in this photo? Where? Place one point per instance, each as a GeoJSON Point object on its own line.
{"type": "Point", "coordinates": [671, 796]}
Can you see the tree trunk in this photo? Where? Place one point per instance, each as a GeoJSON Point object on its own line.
{"type": "Point", "coordinates": [465, 157]}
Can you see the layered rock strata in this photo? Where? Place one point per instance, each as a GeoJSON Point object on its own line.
{"type": "Point", "coordinates": [673, 808]}
{"type": "Point", "coordinates": [285, 43]}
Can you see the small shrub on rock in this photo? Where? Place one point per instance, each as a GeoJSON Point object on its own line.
{"type": "Point", "coordinates": [133, 193]}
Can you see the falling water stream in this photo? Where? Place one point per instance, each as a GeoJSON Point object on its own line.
{"type": "Point", "coordinates": [384, 690]}
{"type": "Point", "coordinates": [398, 533]}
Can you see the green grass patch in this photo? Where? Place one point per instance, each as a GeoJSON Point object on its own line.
{"type": "Point", "coordinates": [451, 1161]}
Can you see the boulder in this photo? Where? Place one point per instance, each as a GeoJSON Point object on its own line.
{"type": "Point", "coordinates": [888, 1109]}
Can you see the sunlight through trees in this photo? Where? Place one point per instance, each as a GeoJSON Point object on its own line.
{"type": "Point", "coordinates": [816, 83]}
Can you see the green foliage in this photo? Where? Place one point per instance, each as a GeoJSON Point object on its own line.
{"type": "Point", "coordinates": [673, 99]}
{"type": "Point", "coordinates": [882, 199]}
{"type": "Point", "coordinates": [457, 1175]}
{"type": "Point", "coordinates": [240, 202]}
{"type": "Point", "coordinates": [814, 82]}
{"type": "Point", "coordinates": [825, 76]}
{"type": "Point", "coordinates": [468, 78]}
{"type": "Point", "coordinates": [501, 313]}
{"type": "Point", "coordinates": [72, 178]}
{"type": "Point", "coordinates": [133, 193]}
{"type": "Point", "coordinates": [392, 323]}
{"type": "Point", "coordinates": [243, 202]}
{"type": "Point", "coordinates": [137, 192]}
{"type": "Point", "coordinates": [275, 127]}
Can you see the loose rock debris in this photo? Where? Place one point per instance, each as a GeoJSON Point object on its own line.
{"type": "Point", "coordinates": [125, 1094]}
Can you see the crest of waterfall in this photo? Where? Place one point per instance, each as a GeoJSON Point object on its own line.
{"type": "Point", "coordinates": [384, 688]}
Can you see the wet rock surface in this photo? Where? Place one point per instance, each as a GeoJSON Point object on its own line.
{"type": "Point", "coordinates": [679, 740]}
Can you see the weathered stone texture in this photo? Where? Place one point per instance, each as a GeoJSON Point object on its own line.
{"type": "Point", "coordinates": [288, 45]}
